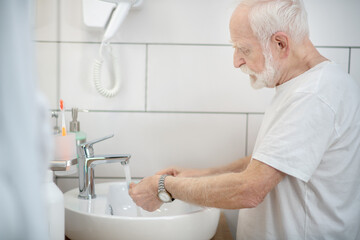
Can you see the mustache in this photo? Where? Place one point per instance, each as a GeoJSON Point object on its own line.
{"type": "Point", "coordinates": [246, 70]}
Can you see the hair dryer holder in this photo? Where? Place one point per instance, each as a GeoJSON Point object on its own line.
{"type": "Point", "coordinates": [107, 14]}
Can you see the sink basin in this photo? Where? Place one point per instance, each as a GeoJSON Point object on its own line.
{"type": "Point", "coordinates": [113, 215]}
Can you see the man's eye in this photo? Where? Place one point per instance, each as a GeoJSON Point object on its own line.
{"type": "Point", "coordinates": [246, 51]}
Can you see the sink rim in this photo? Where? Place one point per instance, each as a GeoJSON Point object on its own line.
{"type": "Point", "coordinates": [73, 193]}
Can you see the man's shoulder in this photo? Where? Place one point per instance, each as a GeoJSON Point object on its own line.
{"type": "Point", "coordinates": [329, 81]}
{"type": "Point", "coordinates": [336, 85]}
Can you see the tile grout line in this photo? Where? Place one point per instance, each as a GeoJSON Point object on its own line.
{"type": "Point", "coordinates": [160, 112]}
{"type": "Point", "coordinates": [246, 134]}
{"type": "Point", "coordinates": [139, 43]}
{"type": "Point", "coordinates": [146, 75]}
{"type": "Point", "coordinates": [174, 44]}
{"type": "Point", "coordinates": [349, 64]}
{"type": "Point", "coordinates": [58, 72]}
{"type": "Point", "coordinates": [58, 53]}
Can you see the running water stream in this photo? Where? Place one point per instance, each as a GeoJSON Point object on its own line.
{"type": "Point", "coordinates": [127, 175]}
{"type": "Point", "coordinates": [128, 181]}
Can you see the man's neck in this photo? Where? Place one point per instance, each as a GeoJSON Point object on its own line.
{"type": "Point", "coordinates": [304, 57]}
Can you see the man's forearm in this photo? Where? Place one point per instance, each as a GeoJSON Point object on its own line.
{"type": "Point", "coordinates": [236, 166]}
{"type": "Point", "coordinates": [220, 191]}
{"type": "Point", "coordinates": [244, 189]}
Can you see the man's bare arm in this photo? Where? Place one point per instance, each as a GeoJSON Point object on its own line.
{"type": "Point", "coordinates": [244, 189]}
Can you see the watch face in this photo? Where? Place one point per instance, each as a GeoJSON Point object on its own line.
{"type": "Point", "coordinates": [164, 196]}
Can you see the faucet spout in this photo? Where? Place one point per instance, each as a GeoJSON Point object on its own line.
{"type": "Point", "coordinates": [114, 158]}
{"type": "Point", "coordinates": [87, 162]}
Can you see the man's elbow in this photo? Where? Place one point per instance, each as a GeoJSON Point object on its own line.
{"type": "Point", "coordinates": [249, 199]}
{"type": "Point", "coordinates": [253, 201]}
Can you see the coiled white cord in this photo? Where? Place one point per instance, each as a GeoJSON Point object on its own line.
{"type": "Point", "coordinates": [97, 73]}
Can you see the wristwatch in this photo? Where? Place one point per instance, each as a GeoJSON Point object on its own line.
{"type": "Point", "coordinates": [164, 195]}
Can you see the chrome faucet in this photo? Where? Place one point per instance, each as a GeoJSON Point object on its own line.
{"type": "Point", "coordinates": [87, 161]}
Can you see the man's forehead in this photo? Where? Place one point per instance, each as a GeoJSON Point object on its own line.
{"type": "Point", "coordinates": [239, 22]}
{"type": "Point", "coordinates": [240, 13]}
{"type": "Point", "coordinates": [241, 33]}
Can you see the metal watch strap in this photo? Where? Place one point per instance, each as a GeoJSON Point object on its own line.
{"type": "Point", "coordinates": [161, 187]}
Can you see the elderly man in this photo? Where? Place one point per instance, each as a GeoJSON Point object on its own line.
{"type": "Point", "coordinates": [303, 178]}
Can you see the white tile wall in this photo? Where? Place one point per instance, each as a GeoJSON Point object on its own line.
{"type": "Point", "coordinates": [71, 23]}
{"type": "Point", "coordinates": [76, 77]}
{"type": "Point", "coordinates": [160, 140]}
{"type": "Point", "coordinates": [338, 55]}
{"type": "Point", "coordinates": [46, 20]}
{"type": "Point", "coordinates": [171, 21]}
{"type": "Point", "coordinates": [254, 123]}
{"type": "Point", "coordinates": [355, 64]}
{"type": "Point", "coordinates": [47, 65]}
{"type": "Point", "coordinates": [200, 78]}
{"type": "Point", "coordinates": [207, 22]}
{"type": "Point", "coordinates": [334, 22]}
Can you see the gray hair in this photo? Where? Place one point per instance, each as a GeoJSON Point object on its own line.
{"type": "Point", "coordinates": [267, 17]}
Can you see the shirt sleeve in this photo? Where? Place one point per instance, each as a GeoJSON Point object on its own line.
{"type": "Point", "coordinates": [298, 137]}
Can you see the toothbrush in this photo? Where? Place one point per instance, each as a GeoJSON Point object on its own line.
{"type": "Point", "coordinates": [63, 117]}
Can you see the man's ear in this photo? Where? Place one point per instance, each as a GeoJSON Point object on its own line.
{"type": "Point", "coordinates": [280, 42]}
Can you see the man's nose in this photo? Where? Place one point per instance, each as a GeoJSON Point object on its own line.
{"type": "Point", "coordinates": [238, 60]}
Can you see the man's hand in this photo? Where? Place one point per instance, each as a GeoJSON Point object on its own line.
{"type": "Point", "coordinates": [145, 193]}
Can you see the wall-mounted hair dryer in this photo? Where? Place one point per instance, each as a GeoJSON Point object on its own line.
{"type": "Point", "coordinates": [118, 16]}
{"type": "Point", "coordinates": [108, 14]}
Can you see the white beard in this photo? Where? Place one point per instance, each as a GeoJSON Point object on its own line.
{"type": "Point", "coordinates": [267, 77]}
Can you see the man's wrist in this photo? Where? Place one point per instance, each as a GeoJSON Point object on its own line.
{"type": "Point", "coordinates": [163, 194]}
{"type": "Point", "coordinates": [168, 181]}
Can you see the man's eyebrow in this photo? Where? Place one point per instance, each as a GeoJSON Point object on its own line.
{"type": "Point", "coordinates": [234, 44]}
{"type": "Point", "coordinates": [237, 45]}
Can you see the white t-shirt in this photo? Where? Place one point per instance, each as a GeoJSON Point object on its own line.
{"type": "Point", "coordinates": [311, 132]}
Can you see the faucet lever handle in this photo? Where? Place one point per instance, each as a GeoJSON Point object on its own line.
{"type": "Point", "coordinates": [90, 143]}
{"type": "Point", "coordinates": [88, 146]}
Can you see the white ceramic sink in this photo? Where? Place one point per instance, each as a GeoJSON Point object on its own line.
{"type": "Point", "coordinates": [113, 215]}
